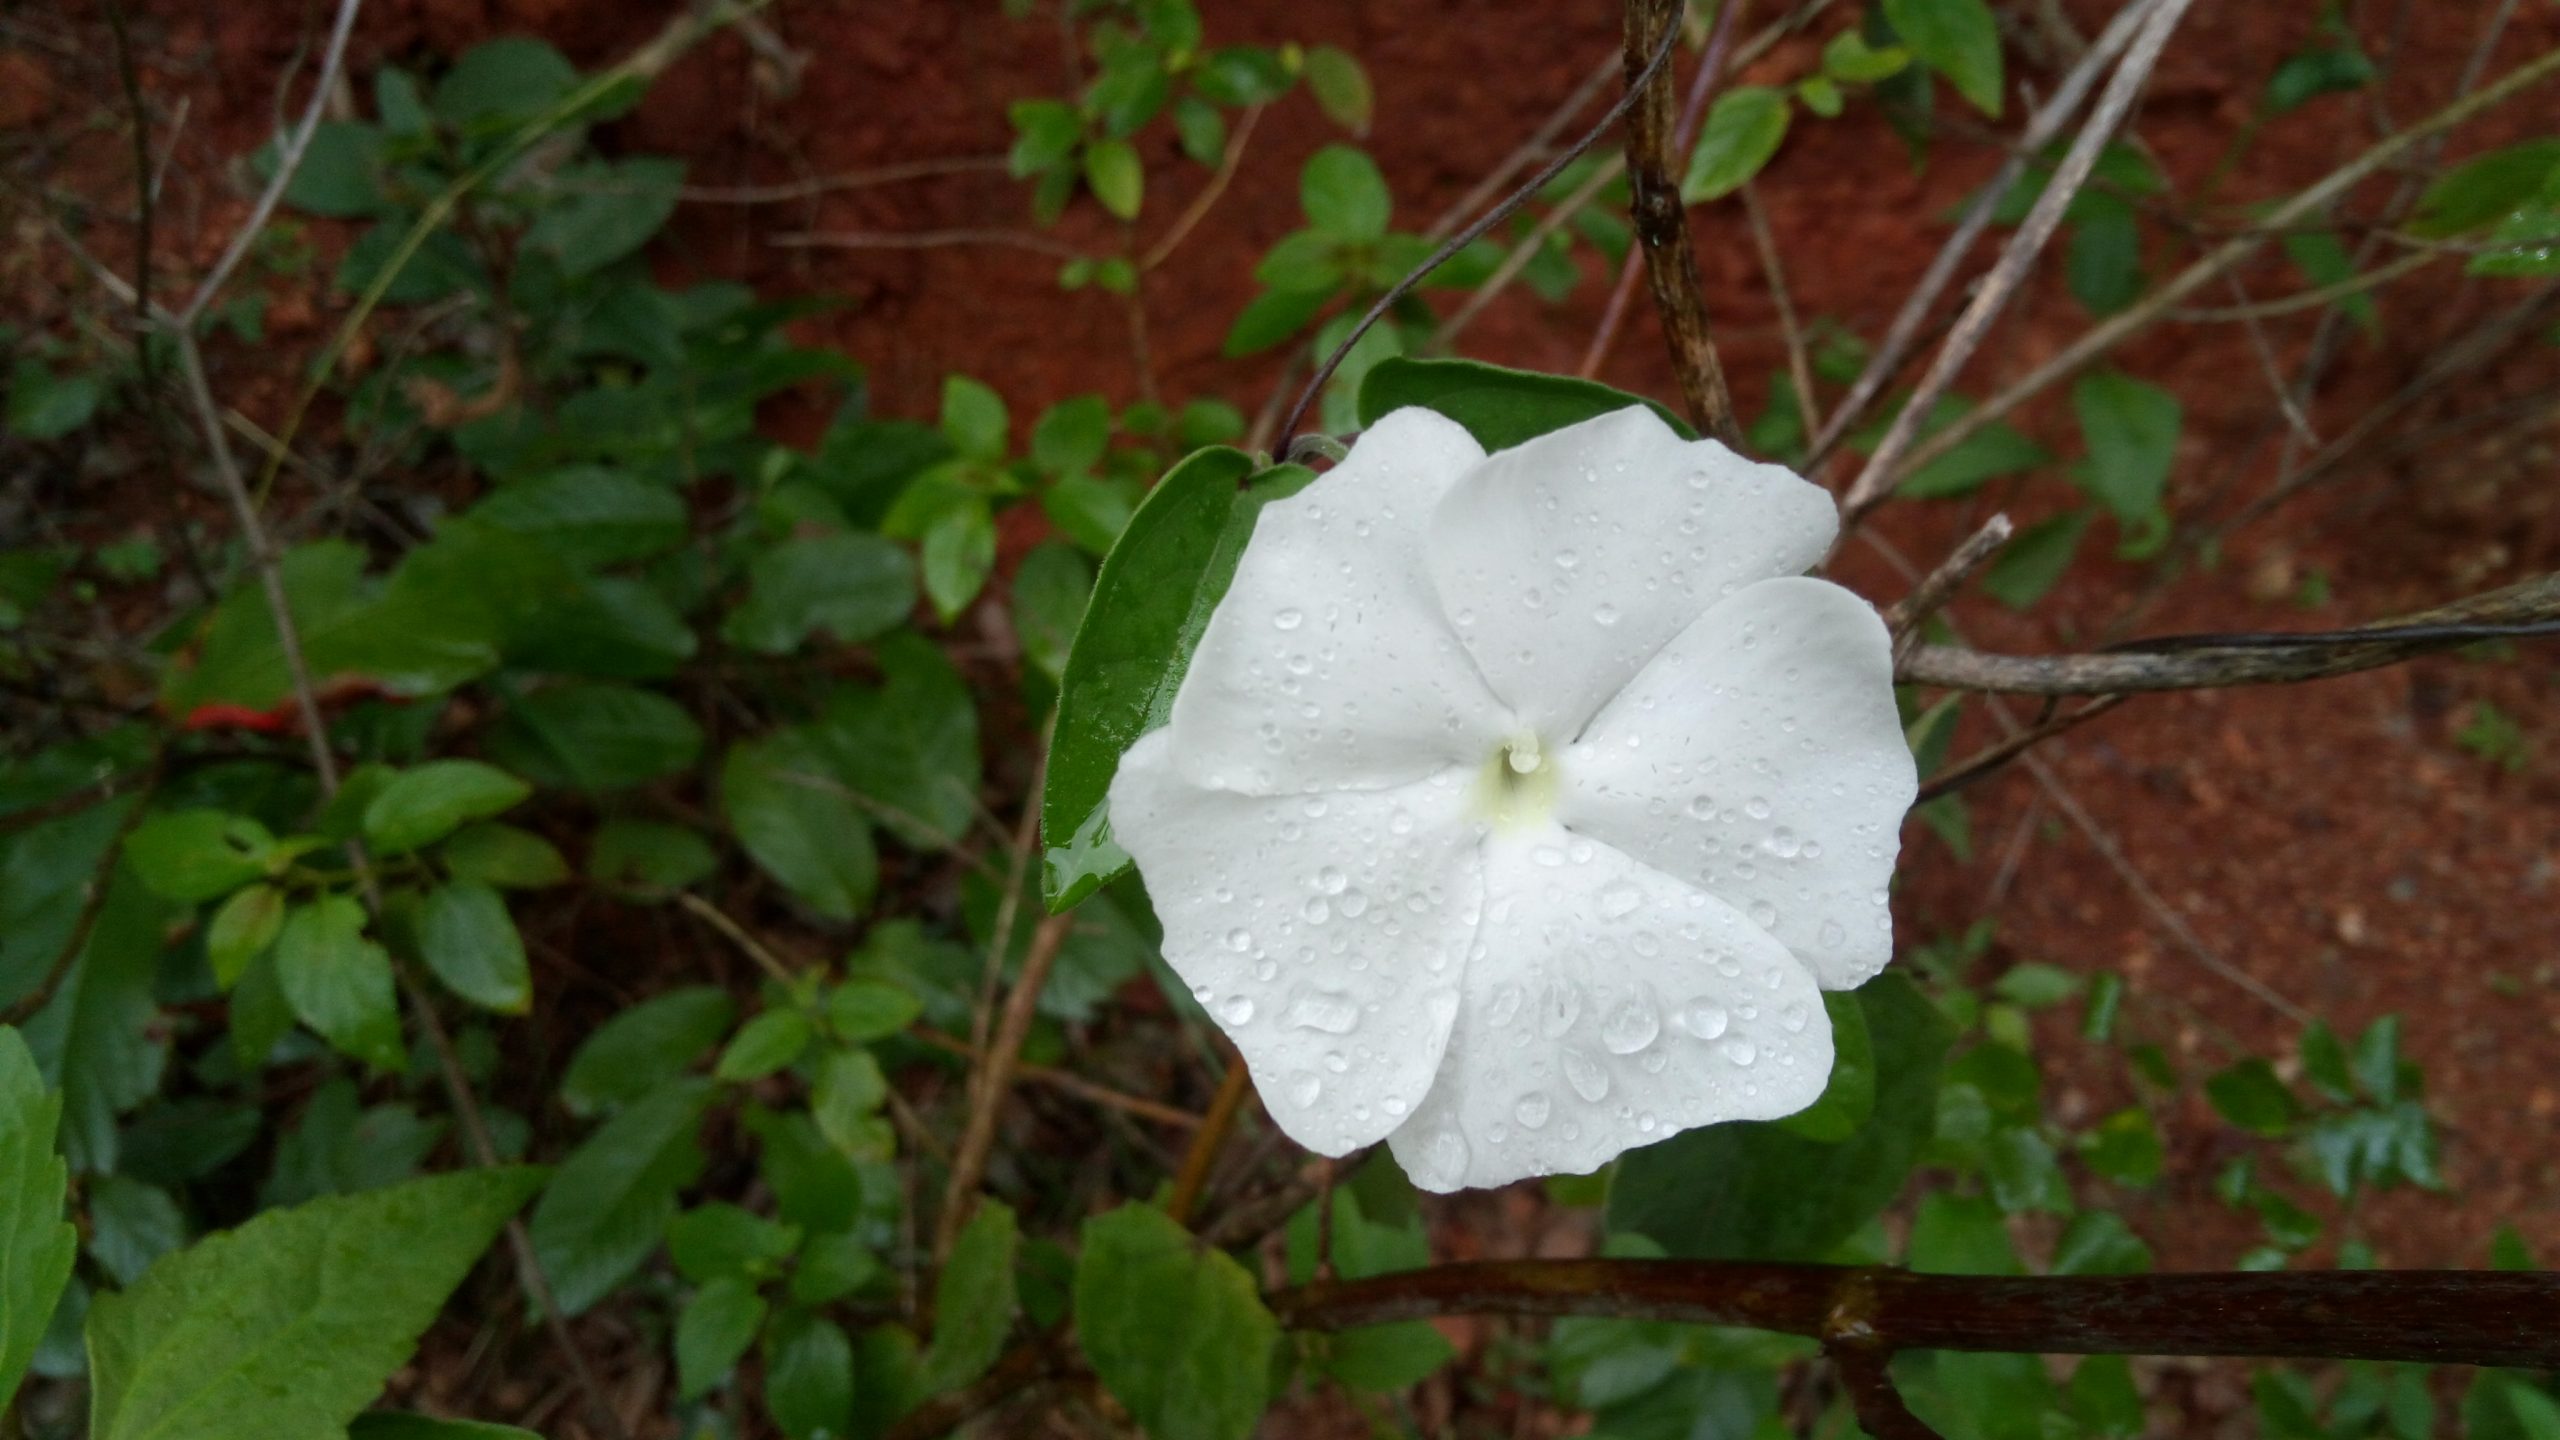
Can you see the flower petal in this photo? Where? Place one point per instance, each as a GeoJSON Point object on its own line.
{"type": "Point", "coordinates": [1328, 665]}
{"type": "Point", "coordinates": [1326, 934]}
{"type": "Point", "coordinates": [1608, 1006]}
{"type": "Point", "coordinates": [1568, 561]}
{"type": "Point", "coordinates": [1759, 758]}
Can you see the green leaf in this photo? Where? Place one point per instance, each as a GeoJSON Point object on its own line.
{"type": "Point", "coordinates": [2024, 1173]}
{"type": "Point", "coordinates": [1957, 38]}
{"type": "Point", "coordinates": [2326, 70]}
{"type": "Point", "coordinates": [98, 1041]}
{"type": "Point", "coordinates": [132, 1224]}
{"type": "Point", "coordinates": [644, 1047]}
{"type": "Point", "coordinates": [1341, 88]}
{"type": "Point", "coordinates": [716, 1329]}
{"type": "Point", "coordinates": [394, 1425]}
{"type": "Point", "coordinates": [2023, 573]}
{"type": "Point", "coordinates": [1757, 1191]}
{"type": "Point", "coordinates": [2098, 1242]}
{"type": "Point", "coordinates": [502, 855]}
{"type": "Point", "coordinates": [47, 406]}
{"type": "Point", "coordinates": [2124, 1147]}
{"type": "Point", "coordinates": [959, 553]}
{"type": "Point", "coordinates": [192, 855]}
{"type": "Point", "coordinates": [647, 858]}
{"type": "Point", "coordinates": [593, 736]}
{"type": "Point", "coordinates": [284, 1328]}
{"type": "Point", "coordinates": [1344, 195]}
{"type": "Point", "coordinates": [911, 744]}
{"type": "Point", "coordinates": [2105, 264]}
{"type": "Point", "coordinates": [2377, 1060]}
{"type": "Point", "coordinates": [503, 79]}
{"type": "Point", "coordinates": [1045, 134]}
{"type": "Point", "coordinates": [590, 515]}
{"type": "Point", "coordinates": [1073, 435]}
{"type": "Point", "coordinates": [2131, 429]}
{"type": "Point", "coordinates": [974, 419]}
{"type": "Point", "coordinates": [1743, 131]}
{"type": "Point", "coordinates": [1273, 316]}
{"type": "Point", "coordinates": [428, 802]}
{"type": "Point", "coordinates": [1849, 59]}
{"type": "Point", "coordinates": [1176, 1331]}
{"type": "Point", "coordinates": [862, 1010]}
{"type": "Point", "coordinates": [1154, 596]}
{"type": "Point", "coordinates": [764, 1045]}
{"type": "Point", "coordinates": [845, 1101]}
{"type": "Point", "coordinates": [1119, 181]}
{"type": "Point", "coordinates": [973, 1300]}
{"type": "Point", "coordinates": [1499, 407]}
{"type": "Point", "coordinates": [794, 818]}
{"type": "Point", "coordinates": [2250, 1096]}
{"type": "Point", "coordinates": [608, 1204]}
{"type": "Point", "coordinates": [854, 586]}
{"type": "Point", "coordinates": [2485, 189]}
{"type": "Point", "coordinates": [339, 983]}
{"type": "Point", "coordinates": [808, 1376]}
{"type": "Point", "coordinates": [340, 174]}
{"type": "Point", "coordinates": [467, 937]}
{"type": "Point", "coordinates": [39, 1246]}
{"type": "Point", "coordinates": [721, 1241]}
{"type": "Point", "coordinates": [242, 930]}
{"type": "Point", "coordinates": [608, 210]}
{"type": "Point", "coordinates": [1049, 593]}
{"type": "Point", "coordinates": [1961, 1235]}
{"type": "Point", "coordinates": [2324, 1062]}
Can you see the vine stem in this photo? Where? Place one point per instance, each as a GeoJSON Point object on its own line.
{"type": "Point", "coordinates": [1661, 217]}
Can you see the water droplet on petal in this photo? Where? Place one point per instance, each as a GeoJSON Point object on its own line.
{"type": "Point", "coordinates": [1605, 615]}
{"type": "Point", "coordinates": [1237, 1010]}
{"type": "Point", "coordinates": [1741, 1051]}
{"type": "Point", "coordinates": [1756, 807]}
{"type": "Point", "coordinates": [1703, 1018]}
{"type": "Point", "coordinates": [1631, 1026]}
{"type": "Point", "coordinates": [1304, 1087]}
{"type": "Point", "coordinates": [1330, 880]}
{"type": "Point", "coordinates": [1832, 934]}
{"type": "Point", "coordinates": [1353, 904]}
{"type": "Point", "coordinates": [1793, 1017]}
{"type": "Point", "coordinates": [1323, 1010]}
{"type": "Point", "coordinates": [1533, 1109]}
{"type": "Point", "coordinates": [1764, 914]}
{"type": "Point", "coordinates": [1505, 1006]}
{"type": "Point", "coordinates": [1585, 1075]}
{"type": "Point", "coordinates": [1287, 620]}
{"type": "Point", "coordinates": [1620, 898]}
{"type": "Point", "coordinates": [1443, 1160]}
{"type": "Point", "coordinates": [1559, 1005]}
{"type": "Point", "coordinates": [1239, 940]}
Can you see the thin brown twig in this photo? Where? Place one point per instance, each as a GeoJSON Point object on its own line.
{"type": "Point", "coordinates": [1208, 1140]}
{"type": "Point", "coordinates": [1071, 1083]}
{"type": "Point", "coordinates": [2000, 752]}
{"type": "Point", "coordinates": [1198, 209]}
{"type": "Point", "coordinates": [736, 934]}
{"type": "Point", "coordinates": [1799, 358]}
{"type": "Point", "coordinates": [783, 192]}
{"type": "Point", "coordinates": [1662, 218]}
{"type": "Point", "coordinates": [924, 240]}
{"type": "Point", "coordinates": [1941, 584]}
{"type": "Point", "coordinates": [994, 1079]}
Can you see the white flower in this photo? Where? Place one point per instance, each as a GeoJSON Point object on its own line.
{"type": "Point", "coordinates": [1516, 808]}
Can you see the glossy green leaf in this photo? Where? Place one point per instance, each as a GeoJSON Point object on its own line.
{"type": "Point", "coordinates": [910, 745]}
{"type": "Point", "coordinates": [468, 939]}
{"type": "Point", "coordinates": [36, 1243]}
{"type": "Point", "coordinates": [608, 1204]}
{"type": "Point", "coordinates": [2124, 1148]}
{"type": "Point", "coordinates": [1150, 604]}
{"type": "Point", "coordinates": [506, 78]}
{"type": "Point", "coordinates": [2251, 1096]}
{"type": "Point", "coordinates": [426, 803]}
{"type": "Point", "coordinates": [284, 1328]}
{"type": "Point", "coordinates": [764, 1045]}
{"type": "Point", "coordinates": [1959, 39]}
{"type": "Point", "coordinates": [1757, 1191]}
{"type": "Point", "coordinates": [644, 1046]}
{"type": "Point", "coordinates": [1049, 594]}
{"type": "Point", "coordinates": [959, 552]}
{"type": "Point", "coordinates": [1742, 132]}
{"type": "Point", "coordinates": [1849, 1097]}
{"type": "Point", "coordinates": [973, 1300]}
{"type": "Point", "coordinates": [1499, 407]}
{"type": "Point", "coordinates": [1176, 1330]}
{"type": "Point", "coordinates": [2485, 189]}
{"type": "Point", "coordinates": [795, 818]}
{"type": "Point", "coordinates": [720, 1241]}
{"type": "Point", "coordinates": [339, 982]}
{"type": "Point", "coordinates": [2033, 563]}
{"type": "Point", "coordinates": [2131, 429]}
{"type": "Point", "coordinates": [591, 515]}
{"type": "Point", "coordinates": [608, 210]}
{"type": "Point", "coordinates": [1341, 88]}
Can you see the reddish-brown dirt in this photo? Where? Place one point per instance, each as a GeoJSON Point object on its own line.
{"type": "Point", "coordinates": [2332, 840]}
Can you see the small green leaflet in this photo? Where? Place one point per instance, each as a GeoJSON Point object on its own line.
{"type": "Point", "coordinates": [1498, 406]}
{"type": "Point", "coordinates": [1177, 1330]}
{"type": "Point", "coordinates": [36, 1245]}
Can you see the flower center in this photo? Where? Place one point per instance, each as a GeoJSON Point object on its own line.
{"type": "Point", "coordinates": [1517, 786]}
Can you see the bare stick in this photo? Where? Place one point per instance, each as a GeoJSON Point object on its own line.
{"type": "Point", "coordinates": [1662, 218]}
{"type": "Point", "coordinates": [1876, 480]}
{"type": "Point", "coordinates": [1073, 1084]}
{"type": "Point", "coordinates": [288, 159]}
{"type": "Point", "coordinates": [1029, 240]}
{"type": "Point", "coordinates": [1931, 594]}
{"type": "Point", "coordinates": [1799, 359]}
{"type": "Point", "coordinates": [2101, 339]}
{"type": "Point", "coordinates": [994, 1080]}
{"type": "Point", "coordinates": [1907, 323]}
{"type": "Point", "coordinates": [809, 189]}
{"type": "Point", "coordinates": [1211, 1137]}
{"type": "Point", "coordinates": [1200, 204]}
